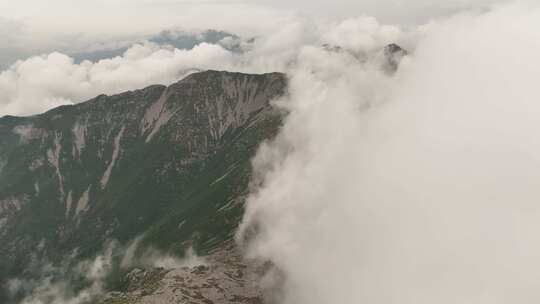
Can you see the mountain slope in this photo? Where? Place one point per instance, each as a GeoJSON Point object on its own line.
{"type": "Point", "coordinates": [172, 163]}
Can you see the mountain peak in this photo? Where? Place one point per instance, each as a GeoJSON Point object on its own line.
{"type": "Point", "coordinates": [393, 54]}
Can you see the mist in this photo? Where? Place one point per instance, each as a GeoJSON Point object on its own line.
{"type": "Point", "coordinates": [420, 187]}
{"type": "Point", "coordinates": [76, 281]}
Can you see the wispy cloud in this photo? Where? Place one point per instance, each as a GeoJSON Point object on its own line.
{"type": "Point", "coordinates": [77, 281]}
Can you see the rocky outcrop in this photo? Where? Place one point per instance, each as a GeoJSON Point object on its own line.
{"type": "Point", "coordinates": [224, 278]}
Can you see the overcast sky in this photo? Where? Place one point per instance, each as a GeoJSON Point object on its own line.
{"type": "Point", "coordinates": [48, 12]}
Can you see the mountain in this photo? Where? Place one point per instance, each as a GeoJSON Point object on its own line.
{"type": "Point", "coordinates": [168, 165]}
{"type": "Point", "coordinates": [158, 170]}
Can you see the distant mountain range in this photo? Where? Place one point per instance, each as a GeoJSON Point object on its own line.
{"type": "Point", "coordinates": [175, 38]}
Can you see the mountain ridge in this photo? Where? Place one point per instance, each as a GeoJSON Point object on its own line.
{"type": "Point", "coordinates": [170, 162]}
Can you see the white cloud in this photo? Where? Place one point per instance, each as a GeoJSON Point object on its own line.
{"type": "Point", "coordinates": [39, 83]}
{"type": "Point", "coordinates": [418, 188]}
{"type": "Point", "coordinates": [56, 283]}
{"type": "Point", "coordinates": [63, 25]}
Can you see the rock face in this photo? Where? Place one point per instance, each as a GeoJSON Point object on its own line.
{"type": "Point", "coordinates": [170, 162]}
{"type": "Point", "coordinates": [393, 54]}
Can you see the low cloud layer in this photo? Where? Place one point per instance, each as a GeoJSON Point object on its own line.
{"type": "Point", "coordinates": [39, 83]}
{"type": "Point", "coordinates": [415, 188]}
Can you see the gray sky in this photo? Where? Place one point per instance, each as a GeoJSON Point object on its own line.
{"type": "Point", "coordinates": [30, 25]}
{"type": "Point", "coordinates": [71, 10]}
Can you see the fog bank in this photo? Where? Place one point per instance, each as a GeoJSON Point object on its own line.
{"type": "Point", "coordinates": [417, 188]}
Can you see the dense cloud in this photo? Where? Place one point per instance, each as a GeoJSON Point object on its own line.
{"type": "Point", "coordinates": [416, 188]}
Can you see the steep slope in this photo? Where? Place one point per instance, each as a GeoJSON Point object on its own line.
{"type": "Point", "coordinates": [170, 162]}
